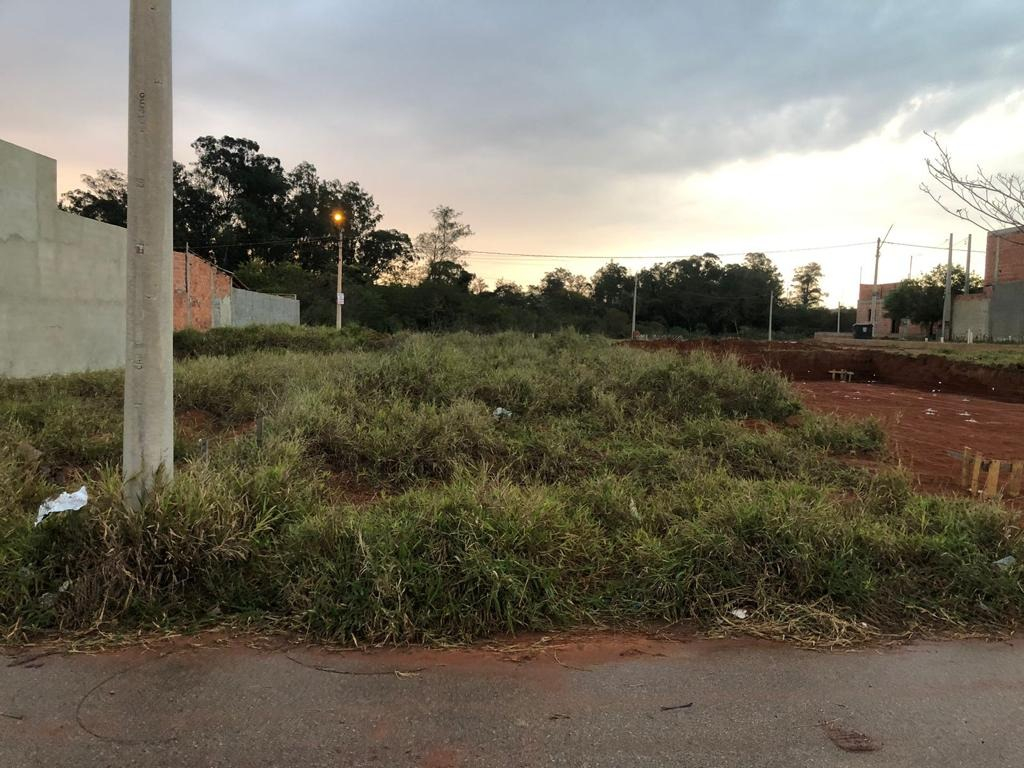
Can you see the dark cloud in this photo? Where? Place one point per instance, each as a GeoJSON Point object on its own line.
{"type": "Point", "coordinates": [622, 87]}
{"type": "Point", "coordinates": [586, 86]}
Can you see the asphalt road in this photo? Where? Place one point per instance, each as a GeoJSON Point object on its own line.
{"type": "Point", "coordinates": [612, 701]}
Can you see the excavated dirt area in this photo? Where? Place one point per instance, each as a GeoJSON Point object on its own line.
{"type": "Point", "coordinates": [803, 361]}
{"type": "Point", "coordinates": [928, 405]}
{"type": "Point", "coordinates": [923, 426]}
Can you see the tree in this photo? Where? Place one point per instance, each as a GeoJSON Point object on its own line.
{"type": "Point", "coordinates": [806, 285]}
{"type": "Point", "coordinates": [250, 189]}
{"type": "Point", "coordinates": [105, 198]}
{"type": "Point", "coordinates": [761, 264]}
{"type": "Point", "coordinates": [384, 253]}
{"type": "Point", "coordinates": [922, 300]}
{"type": "Point", "coordinates": [612, 286]}
{"type": "Point", "coordinates": [989, 201]}
{"type": "Point", "coordinates": [441, 243]}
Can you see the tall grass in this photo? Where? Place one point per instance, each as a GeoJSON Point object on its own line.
{"type": "Point", "coordinates": [382, 500]}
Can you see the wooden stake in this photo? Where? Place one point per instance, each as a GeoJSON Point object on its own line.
{"type": "Point", "coordinates": [992, 484]}
{"type": "Point", "coordinates": [1016, 476]}
{"type": "Point", "coordinates": [976, 474]}
{"type": "Point", "coordinates": [965, 467]}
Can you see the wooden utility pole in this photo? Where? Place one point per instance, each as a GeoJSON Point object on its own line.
{"type": "Point", "coordinates": [149, 377]}
{"type": "Point", "coordinates": [947, 306]}
{"type": "Point", "coordinates": [771, 313]}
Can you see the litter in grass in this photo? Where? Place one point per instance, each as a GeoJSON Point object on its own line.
{"type": "Point", "coordinates": [740, 613]}
{"type": "Point", "coordinates": [1006, 562]}
{"type": "Point", "coordinates": [501, 413]}
{"type": "Point", "coordinates": [65, 502]}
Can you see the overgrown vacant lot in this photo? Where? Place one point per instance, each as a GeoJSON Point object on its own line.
{"type": "Point", "coordinates": [381, 500]}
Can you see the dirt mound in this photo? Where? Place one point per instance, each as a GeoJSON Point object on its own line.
{"type": "Point", "coordinates": [809, 362]}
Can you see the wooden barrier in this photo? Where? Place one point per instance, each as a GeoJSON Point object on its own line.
{"type": "Point", "coordinates": [973, 464]}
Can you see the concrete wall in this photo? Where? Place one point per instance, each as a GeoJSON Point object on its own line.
{"type": "Point", "coordinates": [1007, 311]}
{"type": "Point", "coordinates": [971, 313]}
{"type": "Point", "coordinates": [63, 281]}
{"type": "Point", "coordinates": [62, 277]}
{"type": "Point", "coordinates": [251, 308]}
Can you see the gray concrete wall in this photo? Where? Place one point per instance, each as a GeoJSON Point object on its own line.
{"type": "Point", "coordinates": [1007, 312]}
{"type": "Point", "coordinates": [251, 308]}
{"type": "Point", "coordinates": [970, 314]}
{"type": "Point", "coordinates": [62, 278]}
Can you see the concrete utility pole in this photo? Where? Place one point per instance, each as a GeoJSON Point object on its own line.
{"type": "Point", "coordinates": [636, 282]}
{"type": "Point", "coordinates": [149, 376]}
{"type": "Point", "coordinates": [771, 312]}
{"type": "Point", "coordinates": [967, 281]}
{"type": "Point", "coordinates": [341, 294]}
{"type": "Point", "coordinates": [874, 289]}
{"type": "Point", "coordinates": [839, 318]}
{"type": "Point", "coordinates": [947, 307]}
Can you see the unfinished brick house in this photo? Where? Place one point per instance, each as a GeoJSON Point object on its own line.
{"type": "Point", "coordinates": [200, 288]}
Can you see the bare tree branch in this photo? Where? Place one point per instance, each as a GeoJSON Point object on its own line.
{"type": "Point", "coordinates": [989, 201]}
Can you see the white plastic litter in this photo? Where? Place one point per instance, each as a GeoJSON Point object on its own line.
{"type": "Point", "coordinates": [501, 413]}
{"type": "Point", "coordinates": [1007, 562]}
{"type": "Point", "coordinates": [740, 613]}
{"type": "Point", "coordinates": [65, 502]}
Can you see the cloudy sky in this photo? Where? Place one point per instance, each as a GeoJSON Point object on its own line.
{"type": "Point", "coordinates": [578, 128]}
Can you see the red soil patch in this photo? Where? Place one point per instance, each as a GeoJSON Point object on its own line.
{"type": "Point", "coordinates": [924, 426]}
{"type": "Point", "coordinates": [928, 405]}
{"type": "Point", "coordinates": [811, 362]}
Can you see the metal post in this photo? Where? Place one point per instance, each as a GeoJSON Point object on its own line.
{"type": "Point", "coordinates": [839, 318]}
{"type": "Point", "coordinates": [771, 312]}
{"type": "Point", "coordinates": [636, 282]}
{"type": "Point", "coordinates": [340, 298]}
{"type": "Point", "coordinates": [947, 307]}
{"type": "Point", "coordinates": [149, 383]}
{"type": "Point", "coordinates": [967, 280]}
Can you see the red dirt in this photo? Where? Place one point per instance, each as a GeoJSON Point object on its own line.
{"type": "Point", "coordinates": [923, 426]}
{"type": "Point", "coordinates": [812, 362]}
{"type": "Point", "coordinates": [928, 405]}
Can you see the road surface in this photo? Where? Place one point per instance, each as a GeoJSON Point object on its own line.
{"type": "Point", "coordinates": [605, 701]}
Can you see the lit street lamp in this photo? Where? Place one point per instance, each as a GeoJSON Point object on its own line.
{"type": "Point", "coordinates": [339, 220]}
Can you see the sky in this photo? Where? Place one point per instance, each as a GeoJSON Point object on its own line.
{"type": "Point", "coordinates": [581, 129]}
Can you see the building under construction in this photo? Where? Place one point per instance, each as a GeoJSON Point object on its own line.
{"type": "Point", "coordinates": [995, 313]}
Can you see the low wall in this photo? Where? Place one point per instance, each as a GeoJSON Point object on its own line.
{"type": "Point", "coordinates": [971, 313]}
{"type": "Point", "coordinates": [251, 308]}
{"type": "Point", "coordinates": [62, 277]}
{"type": "Point", "coordinates": [63, 281]}
{"type": "Point", "coordinates": [1008, 311]}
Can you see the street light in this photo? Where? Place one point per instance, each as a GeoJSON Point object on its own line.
{"type": "Point", "coordinates": [339, 221]}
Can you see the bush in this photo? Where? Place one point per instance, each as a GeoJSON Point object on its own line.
{"type": "Point", "coordinates": [381, 499]}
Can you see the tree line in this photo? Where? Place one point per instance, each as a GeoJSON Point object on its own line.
{"type": "Point", "coordinates": [273, 228]}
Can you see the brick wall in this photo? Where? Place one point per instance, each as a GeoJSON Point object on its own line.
{"type": "Point", "coordinates": [196, 284]}
{"type": "Point", "coordinates": [1011, 257]}
{"type": "Point", "coordinates": [884, 325]}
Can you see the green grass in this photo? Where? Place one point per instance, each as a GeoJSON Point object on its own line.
{"type": "Point", "coordinates": [383, 501]}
